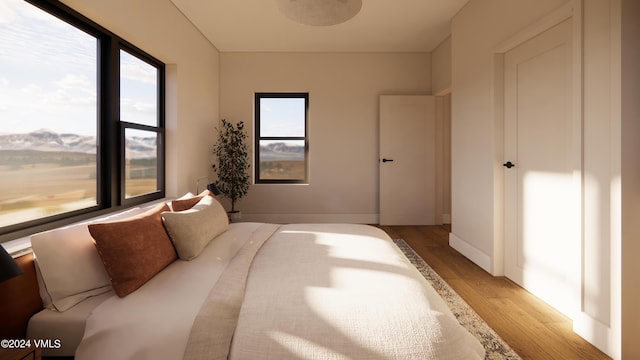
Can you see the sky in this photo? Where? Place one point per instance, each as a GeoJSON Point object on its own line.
{"type": "Point", "coordinates": [48, 75]}
{"type": "Point", "coordinates": [282, 117]}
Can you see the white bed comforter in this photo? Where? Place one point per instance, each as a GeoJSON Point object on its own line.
{"type": "Point", "coordinates": [313, 292]}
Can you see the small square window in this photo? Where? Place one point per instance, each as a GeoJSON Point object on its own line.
{"type": "Point", "coordinates": [282, 144]}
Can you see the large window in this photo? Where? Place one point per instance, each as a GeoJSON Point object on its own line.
{"type": "Point", "coordinates": [282, 143]}
{"type": "Point", "coordinates": [80, 130]}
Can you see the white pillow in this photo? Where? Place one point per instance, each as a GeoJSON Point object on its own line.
{"type": "Point", "coordinates": [191, 230]}
{"type": "Point", "coordinates": [69, 267]}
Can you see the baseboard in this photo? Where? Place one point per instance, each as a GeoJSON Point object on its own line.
{"type": "Point", "coordinates": [446, 218]}
{"type": "Point", "coordinates": [597, 333]}
{"type": "Point", "coordinates": [471, 252]}
{"type": "Point", "coordinates": [312, 218]}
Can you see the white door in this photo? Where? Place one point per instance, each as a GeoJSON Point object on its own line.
{"type": "Point", "coordinates": [407, 160]}
{"type": "Point", "coordinates": [542, 192]}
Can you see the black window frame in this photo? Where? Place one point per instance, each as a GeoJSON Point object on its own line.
{"type": "Point", "coordinates": [110, 143]}
{"type": "Point", "coordinates": [159, 129]}
{"type": "Point", "coordinates": [258, 137]}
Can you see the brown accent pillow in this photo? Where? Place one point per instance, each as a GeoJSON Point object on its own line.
{"type": "Point", "coordinates": [134, 250]}
{"type": "Point", "coordinates": [186, 204]}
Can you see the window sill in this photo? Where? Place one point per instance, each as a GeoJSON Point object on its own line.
{"type": "Point", "coordinates": [22, 246]}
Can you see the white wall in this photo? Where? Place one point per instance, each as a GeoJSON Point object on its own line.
{"type": "Point", "coordinates": [601, 158]}
{"type": "Point", "coordinates": [158, 28]}
{"type": "Point", "coordinates": [343, 126]}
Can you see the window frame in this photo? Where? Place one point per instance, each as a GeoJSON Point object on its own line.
{"type": "Point", "coordinates": [160, 156]}
{"type": "Point", "coordinates": [159, 129]}
{"type": "Point", "coordinates": [280, 95]}
{"type": "Point", "coordinates": [110, 195]}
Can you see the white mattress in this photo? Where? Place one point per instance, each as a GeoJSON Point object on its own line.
{"type": "Point", "coordinates": [67, 326]}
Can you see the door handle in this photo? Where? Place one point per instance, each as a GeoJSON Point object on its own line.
{"type": "Point", "coordinates": [386, 160]}
{"type": "Point", "coordinates": [508, 164]}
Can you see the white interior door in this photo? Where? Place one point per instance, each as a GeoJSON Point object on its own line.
{"type": "Point", "coordinates": [542, 195]}
{"type": "Point", "coordinates": [407, 160]}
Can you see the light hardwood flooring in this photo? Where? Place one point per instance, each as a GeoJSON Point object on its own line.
{"type": "Point", "coordinates": [532, 328]}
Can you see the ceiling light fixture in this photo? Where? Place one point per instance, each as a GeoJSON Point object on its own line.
{"type": "Point", "coordinates": [320, 12]}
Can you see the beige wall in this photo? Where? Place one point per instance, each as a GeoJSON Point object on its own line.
{"type": "Point", "coordinates": [192, 78]}
{"type": "Point", "coordinates": [441, 68]}
{"type": "Point", "coordinates": [443, 144]}
{"type": "Point", "coordinates": [343, 126]}
{"type": "Point", "coordinates": [441, 85]}
{"type": "Point", "coordinates": [630, 170]}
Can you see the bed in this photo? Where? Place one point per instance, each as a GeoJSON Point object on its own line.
{"type": "Point", "coordinates": [235, 291]}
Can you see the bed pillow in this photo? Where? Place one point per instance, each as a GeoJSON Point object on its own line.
{"type": "Point", "coordinates": [134, 250]}
{"type": "Point", "coordinates": [188, 195]}
{"type": "Point", "coordinates": [191, 230]}
{"type": "Point", "coordinates": [68, 266]}
{"type": "Point", "coordinates": [183, 204]}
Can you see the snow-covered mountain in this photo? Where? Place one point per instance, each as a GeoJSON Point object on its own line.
{"type": "Point", "coordinates": [141, 147]}
{"type": "Point", "coordinates": [137, 147]}
{"type": "Point", "coordinates": [47, 140]}
{"type": "Point", "coordinates": [281, 151]}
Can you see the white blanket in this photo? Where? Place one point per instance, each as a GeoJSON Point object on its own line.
{"type": "Point", "coordinates": [343, 292]}
{"type": "Point", "coordinates": [314, 292]}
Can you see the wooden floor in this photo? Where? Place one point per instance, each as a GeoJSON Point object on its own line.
{"type": "Point", "coordinates": [532, 328]}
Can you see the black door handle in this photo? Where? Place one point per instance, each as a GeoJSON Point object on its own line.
{"type": "Point", "coordinates": [386, 160]}
{"type": "Point", "coordinates": [509, 164]}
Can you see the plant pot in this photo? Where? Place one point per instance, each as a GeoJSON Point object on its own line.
{"type": "Point", "coordinates": [234, 216]}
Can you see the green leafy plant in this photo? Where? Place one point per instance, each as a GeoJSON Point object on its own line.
{"type": "Point", "coordinates": [232, 161]}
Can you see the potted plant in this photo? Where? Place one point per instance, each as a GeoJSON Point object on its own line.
{"type": "Point", "coordinates": [232, 164]}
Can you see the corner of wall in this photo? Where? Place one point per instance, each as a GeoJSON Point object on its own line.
{"type": "Point", "coordinates": [471, 252]}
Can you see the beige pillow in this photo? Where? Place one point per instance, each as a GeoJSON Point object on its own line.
{"type": "Point", "coordinates": [191, 230]}
{"type": "Point", "coordinates": [68, 265]}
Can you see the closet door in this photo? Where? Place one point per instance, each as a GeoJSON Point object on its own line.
{"type": "Point", "coordinates": [407, 160]}
{"type": "Point", "coordinates": [542, 194]}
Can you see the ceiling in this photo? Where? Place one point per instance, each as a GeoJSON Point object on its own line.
{"type": "Point", "coordinates": [381, 26]}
